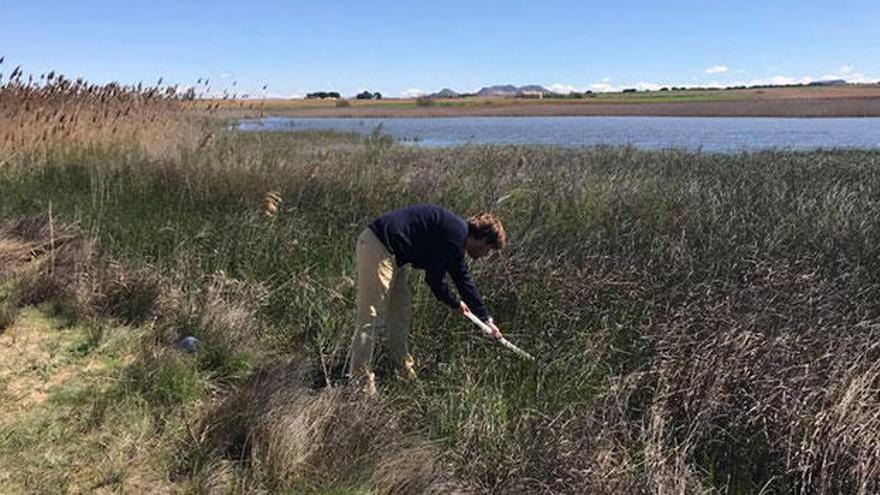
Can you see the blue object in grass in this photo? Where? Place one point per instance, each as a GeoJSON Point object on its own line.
{"type": "Point", "coordinates": [188, 344]}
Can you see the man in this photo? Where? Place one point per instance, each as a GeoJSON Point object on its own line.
{"type": "Point", "coordinates": [427, 237]}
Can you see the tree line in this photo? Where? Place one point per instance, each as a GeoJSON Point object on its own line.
{"type": "Point", "coordinates": [321, 95]}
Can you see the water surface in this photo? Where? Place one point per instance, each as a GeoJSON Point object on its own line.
{"type": "Point", "coordinates": [692, 133]}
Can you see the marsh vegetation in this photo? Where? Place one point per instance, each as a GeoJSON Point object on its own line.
{"type": "Point", "coordinates": [704, 322]}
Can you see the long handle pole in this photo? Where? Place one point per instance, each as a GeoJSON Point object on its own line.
{"type": "Point", "coordinates": [506, 343]}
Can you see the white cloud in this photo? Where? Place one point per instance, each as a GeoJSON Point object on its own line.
{"type": "Point", "coordinates": [716, 69]}
{"type": "Point", "coordinates": [848, 72]}
{"type": "Point", "coordinates": [603, 87]}
{"type": "Point", "coordinates": [284, 95]}
{"type": "Point", "coordinates": [220, 93]}
{"type": "Point", "coordinates": [780, 81]}
{"type": "Point", "coordinates": [826, 77]}
{"type": "Point", "coordinates": [226, 75]}
{"type": "Point", "coordinates": [412, 93]}
{"type": "Point", "coordinates": [563, 89]}
{"type": "Point", "coordinates": [646, 86]}
{"type": "Point", "coordinates": [851, 74]}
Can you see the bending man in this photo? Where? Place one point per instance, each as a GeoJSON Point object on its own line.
{"type": "Point", "coordinates": [430, 238]}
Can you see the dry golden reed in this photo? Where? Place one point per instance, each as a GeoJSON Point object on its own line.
{"type": "Point", "coordinates": [53, 113]}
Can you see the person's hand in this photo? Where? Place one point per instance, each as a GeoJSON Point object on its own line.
{"type": "Point", "coordinates": [496, 332]}
{"type": "Point", "coordinates": [464, 309]}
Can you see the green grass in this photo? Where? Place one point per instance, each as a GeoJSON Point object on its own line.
{"type": "Point", "coordinates": [637, 97]}
{"type": "Point", "coordinates": [630, 274]}
{"type": "Point", "coordinates": [617, 98]}
{"type": "Point", "coordinates": [70, 440]}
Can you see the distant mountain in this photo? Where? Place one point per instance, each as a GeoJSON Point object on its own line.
{"type": "Point", "coordinates": [829, 82]}
{"type": "Point", "coordinates": [534, 88]}
{"type": "Point", "coordinates": [511, 90]}
{"type": "Point", "coordinates": [445, 93]}
{"type": "Point", "coordinates": [500, 90]}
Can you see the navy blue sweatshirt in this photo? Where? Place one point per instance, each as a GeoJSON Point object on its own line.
{"type": "Point", "coordinates": [432, 238]}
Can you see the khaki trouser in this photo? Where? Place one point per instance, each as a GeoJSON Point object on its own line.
{"type": "Point", "coordinates": [383, 305]}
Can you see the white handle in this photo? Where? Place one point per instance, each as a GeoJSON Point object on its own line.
{"type": "Point", "coordinates": [506, 343]}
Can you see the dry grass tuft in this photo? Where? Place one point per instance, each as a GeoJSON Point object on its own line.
{"type": "Point", "coordinates": [297, 436]}
{"type": "Point", "coordinates": [44, 262]}
{"type": "Point", "coordinates": [216, 301]}
{"type": "Point", "coordinates": [415, 469]}
{"type": "Point", "coordinates": [9, 312]}
{"type": "Point", "coordinates": [842, 454]}
{"type": "Point", "coordinates": [131, 296]}
{"type": "Point", "coordinates": [30, 240]}
{"type": "Point", "coordinates": [48, 262]}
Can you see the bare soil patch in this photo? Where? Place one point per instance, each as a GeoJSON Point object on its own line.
{"type": "Point", "coordinates": [31, 364]}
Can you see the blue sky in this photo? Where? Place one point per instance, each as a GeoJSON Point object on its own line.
{"type": "Point", "coordinates": [409, 47]}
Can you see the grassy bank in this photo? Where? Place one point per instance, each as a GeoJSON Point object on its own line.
{"type": "Point", "coordinates": [703, 322]}
{"type": "Point", "coordinates": [805, 101]}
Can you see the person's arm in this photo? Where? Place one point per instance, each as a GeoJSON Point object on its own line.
{"type": "Point", "coordinates": [468, 289]}
{"type": "Point", "coordinates": [435, 277]}
{"type": "Point", "coordinates": [496, 332]}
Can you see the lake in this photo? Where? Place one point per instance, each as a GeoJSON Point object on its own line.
{"type": "Point", "coordinates": [692, 133]}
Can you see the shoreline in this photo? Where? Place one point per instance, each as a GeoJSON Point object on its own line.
{"type": "Point", "coordinates": [380, 117]}
{"type": "Point", "coordinates": [827, 108]}
{"type": "Point", "coordinates": [800, 102]}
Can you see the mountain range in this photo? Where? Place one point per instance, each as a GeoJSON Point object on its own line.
{"type": "Point", "coordinates": [497, 90]}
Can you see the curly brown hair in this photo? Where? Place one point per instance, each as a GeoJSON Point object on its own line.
{"type": "Point", "coordinates": [487, 226]}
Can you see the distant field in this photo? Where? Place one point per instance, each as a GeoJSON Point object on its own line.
{"type": "Point", "coordinates": [843, 101]}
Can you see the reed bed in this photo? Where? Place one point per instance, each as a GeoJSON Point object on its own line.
{"type": "Point", "coordinates": [52, 113]}
{"type": "Point", "coordinates": [704, 322]}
